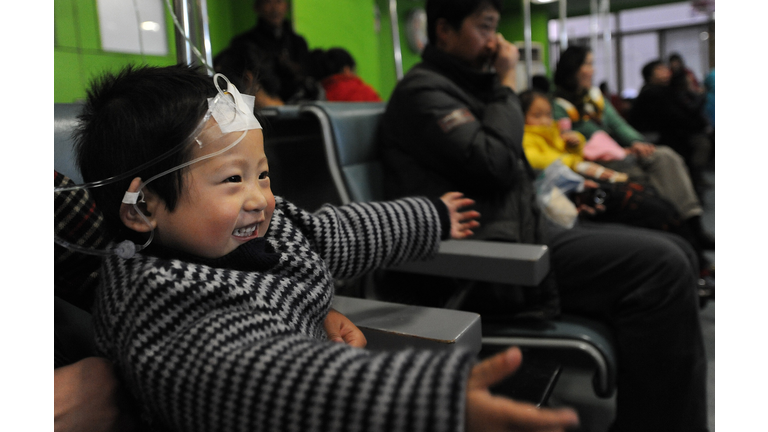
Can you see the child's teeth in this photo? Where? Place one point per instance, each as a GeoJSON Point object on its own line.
{"type": "Point", "coordinates": [244, 232]}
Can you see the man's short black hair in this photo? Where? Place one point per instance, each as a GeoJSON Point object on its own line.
{"type": "Point", "coordinates": [676, 57]}
{"type": "Point", "coordinates": [132, 117]}
{"type": "Point", "coordinates": [648, 69]}
{"type": "Point", "coordinates": [454, 12]}
{"type": "Point", "coordinates": [338, 58]}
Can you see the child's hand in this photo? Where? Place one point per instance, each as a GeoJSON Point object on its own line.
{"type": "Point", "coordinates": [571, 138]}
{"type": "Point", "coordinates": [486, 412]}
{"type": "Point", "coordinates": [591, 208]}
{"type": "Point", "coordinates": [596, 171]}
{"type": "Point", "coordinates": [462, 222]}
{"type": "Point", "coordinates": [341, 329]}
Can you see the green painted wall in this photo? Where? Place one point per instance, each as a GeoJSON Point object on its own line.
{"type": "Point", "coordinates": [226, 19]}
{"type": "Point", "coordinates": [351, 24]}
{"type": "Point", "coordinates": [348, 24]}
{"type": "Point", "coordinates": [512, 26]}
{"type": "Point", "coordinates": [77, 54]}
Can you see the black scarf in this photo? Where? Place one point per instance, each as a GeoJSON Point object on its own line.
{"type": "Point", "coordinates": [255, 255]}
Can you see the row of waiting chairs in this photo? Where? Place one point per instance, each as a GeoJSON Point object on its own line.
{"type": "Point", "coordinates": [325, 152]}
{"type": "Point", "coordinates": [347, 132]}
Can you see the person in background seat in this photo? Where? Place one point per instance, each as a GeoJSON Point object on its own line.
{"type": "Point", "coordinates": [455, 121]}
{"type": "Point", "coordinates": [335, 70]}
{"type": "Point", "coordinates": [286, 51]}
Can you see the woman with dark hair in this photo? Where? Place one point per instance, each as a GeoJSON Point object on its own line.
{"type": "Point", "coordinates": [589, 113]}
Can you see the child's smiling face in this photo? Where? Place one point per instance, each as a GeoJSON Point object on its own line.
{"type": "Point", "coordinates": [226, 200]}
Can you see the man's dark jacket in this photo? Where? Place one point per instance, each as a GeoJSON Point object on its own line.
{"type": "Point", "coordinates": [448, 128]}
{"type": "Point", "coordinates": [285, 49]}
{"type": "Point", "coordinates": [659, 109]}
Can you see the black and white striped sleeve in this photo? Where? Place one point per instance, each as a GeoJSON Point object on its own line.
{"type": "Point", "coordinates": [357, 238]}
{"type": "Point", "coordinates": [197, 359]}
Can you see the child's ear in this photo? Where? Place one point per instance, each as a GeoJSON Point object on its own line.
{"type": "Point", "coordinates": [147, 203]}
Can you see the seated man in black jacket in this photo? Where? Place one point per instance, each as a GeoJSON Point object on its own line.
{"type": "Point", "coordinates": [285, 51]}
{"type": "Point", "coordinates": [454, 122]}
{"type": "Point", "coordinates": [681, 125]}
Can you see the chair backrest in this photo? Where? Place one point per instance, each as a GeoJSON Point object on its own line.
{"type": "Point", "coordinates": [293, 142]}
{"type": "Point", "coordinates": [349, 133]}
{"type": "Point", "coordinates": [64, 123]}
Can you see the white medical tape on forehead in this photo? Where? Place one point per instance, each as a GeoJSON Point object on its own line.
{"type": "Point", "coordinates": [233, 115]}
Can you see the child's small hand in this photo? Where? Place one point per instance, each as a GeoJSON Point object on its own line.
{"type": "Point", "coordinates": [588, 209]}
{"type": "Point", "coordinates": [462, 222]}
{"type": "Point", "coordinates": [340, 329]}
{"type": "Point", "coordinates": [596, 171]}
{"type": "Point", "coordinates": [571, 138]}
{"type": "Point", "coordinates": [486, 412]}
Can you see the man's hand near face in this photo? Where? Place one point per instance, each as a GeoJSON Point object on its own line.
{"type": "Point", "coordinates": [505, 64]}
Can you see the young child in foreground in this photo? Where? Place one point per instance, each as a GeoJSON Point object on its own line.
{"type": "Point", "coordinates": [543, 142]}
{"type": "Point", "coordinates": [224, 322]}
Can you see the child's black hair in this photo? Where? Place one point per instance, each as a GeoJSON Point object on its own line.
{"type": "Point", "coordinates": [324, 63]}
{"type": "Point", "coordinates": [133, 116]}
{"type": "Point", "coordinates": [540, 83]}
{"type": "Point", "coordinates": [527, 97]}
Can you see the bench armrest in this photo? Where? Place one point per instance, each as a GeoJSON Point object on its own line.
{"type": "Point", "coordinates": [486, 261]}
{"type": "Point", "coordinates": [389, 326]}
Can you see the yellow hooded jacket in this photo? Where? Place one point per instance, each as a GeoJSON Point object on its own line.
{"type": "Point", "coordinates": [543, 145]}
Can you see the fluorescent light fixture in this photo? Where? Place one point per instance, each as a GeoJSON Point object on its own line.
{"type": "Point", "coordinates": [543, 1]}
{"type": "Point", "coordinates": [134, 27]}
{"type": "Point", "coordinates": [150, 26]}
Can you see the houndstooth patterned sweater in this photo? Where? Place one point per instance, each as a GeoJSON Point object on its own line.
{"type": "Point", "coordinates": [214, 349]}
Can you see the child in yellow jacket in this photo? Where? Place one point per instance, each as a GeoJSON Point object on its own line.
{"type": "Point", "coordinates": [543, 142]}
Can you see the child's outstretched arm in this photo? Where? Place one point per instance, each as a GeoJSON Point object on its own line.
{"type": "Point", "coordinates": [357, 238]}
{"type": "Point", "coordinates": [486, 412]}
{"type": "Point", "coordinates": [340, 329]}
{"type": "Point", "coordinates": [462, 221]}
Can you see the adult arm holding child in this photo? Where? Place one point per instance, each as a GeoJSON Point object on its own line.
{"type": "Point", "coordinates": [87, 397]}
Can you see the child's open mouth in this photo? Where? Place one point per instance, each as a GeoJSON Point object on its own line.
{"type": "Point", "coordinates": [247, 231]}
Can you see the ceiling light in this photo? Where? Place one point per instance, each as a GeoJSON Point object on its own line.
{"type": "Point", "coordinates": [150, 26]}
